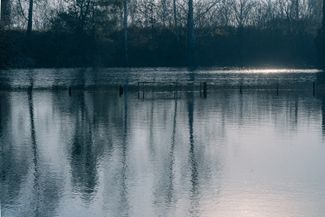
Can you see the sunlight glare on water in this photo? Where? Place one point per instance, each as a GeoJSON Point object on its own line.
{"type": "Point", "coordinates": [273, 70]}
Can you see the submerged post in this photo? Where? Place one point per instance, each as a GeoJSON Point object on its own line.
{"type": "Point", "coordinates": [277, 89]}
{"type": "Point", "coordinates": [69, 91]}
{"type": "Point", "coordinates": [142, 90]}
{"type": "Point", "coordinates": [240, 89]}
{"type": "Point", "coordinates": [314, 88]}
{"type": "Point", "coordinates": [205, 91]}
{"type": "Point", "coordinates": [175, 90]}
{"type": "Point", "coordinates": [124, 89]}
{"type": "Point", "coordinates": [138, 90]}
{"type": "Point", "coordinates": [120, 90]}
{"type": "Point", "coordinates": [30, 89]}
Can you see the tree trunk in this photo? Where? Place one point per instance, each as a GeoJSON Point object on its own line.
{"type": "Point", "coordinates": [175, 16]}
{"type": "Point", "coordinates": [323, 23]}
{"type": "Point", "coordinates": [164, 12]}
{"type": "Point", "coordinates": [297, 10]}
{"type": "Point", "coordinates": [190, 33]}
{"type": "Point", "coordinates": [5, 12]}
{"type": "Point", "coordinates": [125, 30]}
{"type": "Point", "coordinates": [30, 17]}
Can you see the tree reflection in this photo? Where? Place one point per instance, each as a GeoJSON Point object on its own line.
{"type": "Point", "coordinates": [83, 154]}
{"type": "Point", "coordinates": [36, 185]}
{"type": "Point", "coordinates": [320, 81]}
{"type": "Point", "coordinates": [179, 165]}
{"type": "Point", "coordinates": [15, 158]}
{"type": "Point", "coordinates": [124, 204]}
{"type": "Point", "coordinates": [170, 187]}
{"type": "Point", "coordinates": [193, 162]}
{"type": "Point", "coordinates": [45, 192]}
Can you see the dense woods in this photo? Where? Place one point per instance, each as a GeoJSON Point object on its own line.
{"type": "Point", "coordinates": [69, 33]}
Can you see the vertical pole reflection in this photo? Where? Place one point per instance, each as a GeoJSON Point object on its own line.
{"type": "Point", "coordinates": [172, 157]}
{"type": "Point", "coordinates": [2, 167]}
{"type": "Point", "coordinates": [36, 188]}
{"type": "Point", "coordinates": [151, 133]}
{"type": "Point", "coordinates": [84, 155]}
{"type": "Point", "coordinates": [323, 115]}
{"type": "Point", "coordinates": [296, 111]}
{"type": "Point", "coordinates": [193, 162]}
{"type": "Point", "coordinates": [124, 191]}
{"type": "Point", "coordinates": [0, 116]}
{"type": "Point", "coordinates": [320, 80]}
{"type": "Point", "coordinates": [241, 110]}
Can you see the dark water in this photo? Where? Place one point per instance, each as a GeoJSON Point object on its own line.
{"type": "Point", "coordinates": [95, 153]}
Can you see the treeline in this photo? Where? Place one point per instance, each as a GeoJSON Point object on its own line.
{"type": "Point", "coordinates": [74, 33]}
{"type": "Point", "coordinates": [160, 48]}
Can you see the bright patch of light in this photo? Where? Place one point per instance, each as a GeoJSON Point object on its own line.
{"type": "Point", "coordinates": [262, 71]}
{"type": "Point", "coordinates": [280, 71]}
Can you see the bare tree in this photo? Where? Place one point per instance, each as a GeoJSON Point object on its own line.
{"type": "Point", "coordinates": [205, 13]}
{"type": "Point", "coordinates": [295, 9]}
{"type": "Point", "coordinates": [323, 20]}
{"type": "Point", "coordinates": [5, 12]}
{"type": "Point", "coordinates": [175, 16]}
{"type": "Point", "coordinates": [225, 12]}
{"type": "Point", "coordinates": [242, 10]}
{"type": "Point", "coordinates": [125, 31]}
{"type": "Point", "coordinates": [190, 33]}
{"type": "Point", "coordinates": [30, 17]}
{"type": "Point", "coordinates": [164, 12]}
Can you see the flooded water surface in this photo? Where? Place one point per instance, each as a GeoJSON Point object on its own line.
{"type": "Point", "coordinates": [241, 151]}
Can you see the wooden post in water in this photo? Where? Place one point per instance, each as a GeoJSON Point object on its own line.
{"type": "Point", "coordinates": [277, 89]}
{"type": "Point", "coordinates": [138, 90]}
{"type": "Point", "coordinates": [142, 90]}
{"type": "Point", "coordinates": [175, 90]}
{"type": "Point", "coordinates": [30, 89]}
{"type": "Point", "coordinates": [240, 89]}
{"type": "Point", "coordinates": [314, 89]}
{"type": "Point", "coordinates": [205, 91]}
{"type": "Point", "coordinates": [120, 90]}
{"type": "Point", "coordinates": [125, 88]}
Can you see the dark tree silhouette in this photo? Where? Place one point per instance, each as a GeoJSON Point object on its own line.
{"type": "Point", "coordinates": [323, 18]}
{"type": "Point", "coordinates": [320, 40]}
{"type": "Point", "coordinates": [5, 12]}
{"type": "Point", "coordinates": [190, 33]}
{"type": "Point", "coordinates": [125, 31]}
{"type": "Point", "coordinates": [30, 17]}
{"type": "Point", "coordinates": [162, 33]}
{"type": "Point", "coordinates": [175, 17]}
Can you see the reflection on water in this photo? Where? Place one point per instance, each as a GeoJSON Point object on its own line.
{"type": "Point", "coordinates": [89, 78]}
{"type": "Point", "coordinates": [98, 154]}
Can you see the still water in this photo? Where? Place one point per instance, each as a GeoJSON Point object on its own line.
{"type": "Point", "coordinates": [259, 153]}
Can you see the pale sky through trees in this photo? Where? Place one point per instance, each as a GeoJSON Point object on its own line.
{"type": "Point", "coordinates": [250, 12]}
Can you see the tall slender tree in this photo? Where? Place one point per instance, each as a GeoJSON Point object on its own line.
{"type": "Point", "coordinates": [320, 40]}
{"type": "Point", "coordinates": [323, 23]}
{"type": "Point", "coordinates": [175, 14]}
{"type": "Point", "coordinates": [5, 12]}
{"type": "Point", "coordinates": [125, 31]}
{"type": "Point", "coordinates": [190, 34]}
{"type": "Point", "coordinates": [176, 29]}
{"type": "Point", "coordinates": [30, 17]}
{"type": "Point", "coordinates": [295, 9]}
